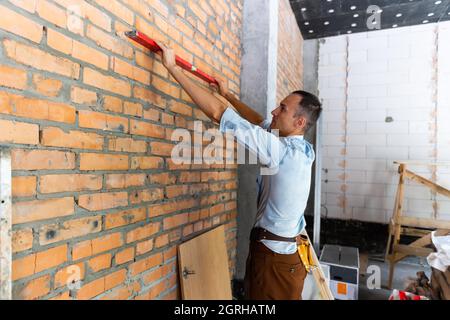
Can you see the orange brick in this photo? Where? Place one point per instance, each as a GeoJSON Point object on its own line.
{"type": "Point", "coordinates": [90, 55]}
{"type": "Point", "coordinates": [162, 178]}
{"type": "Point", "coordinates": [69, 182]}
{"type": "Point", "coordinates": [118, 10]}
{"type": "Point", "coordinates": [100, 262]}
{"type": "Point", "coordinates": [161, 241]}
{"type": "Point", "coordinates": [166, 87]}
{"type": "Point", "coordinates": [184, 27]}
{"type": "Point", "coordinates": [144, 60]}
{"type": "Point", "coordinates": [28, 5]}
{"type": "Point", "coordinates": [45, 110]}
{"type": "Point", "coordinates": [149, 96]}
{"type": "Point", "coordinates": [35, 210]}
{"type": "Point", "coordinates": [13, 78]}
{"type": "Point", "coordinates": [28, 29]}
{"type": "Point", "coordinates": [181, 108]}
{"type": "Point", "coordinates": [23, 267]}
{"type": "Point", "coordinates": [108, 42]}
{"type": "Point", "coordinates": [156, 290]}
{"type": "Point", "coordinates": [121, 67]}
{"type": "Point", "coordinates": [96, 16]}
{"type": "Point", "coordinates": [145, 264]}
{"type": "Point", "coordinates": [114, 279]}
{"type": "Point", "coordinates": [161, 148]}
{"type": "Point", "coordinates": [98, 161]}
{"type": "Point", "coordinates": [175, 221]}
{"type": "Point", "coordinates": [144, 247]}
{"type": "Point", "coordinates": [127, 145]}
{"type": "Point", "coordinates": [41, 60]}
{"type": "Point", "coordinates": [24, 186]}
{"type": "Point", "coordinates": [146, 195]}
{"type": "Point", "coordinates": [112, 104]}
{"type": "Point", "coordinates": [189, 177]}
{"type": "Point", "coordinates": [33, 289]}
{"type": "Point", "coordinates": [19, 132]}
{"type": "Point", "coordinates": [150, 29]}
{"type": "Point", "coordinates": [46, 86]}
{"type": "Point", "coordinates": [56, 137]}
{"type": "Point", "coordinates": [83, 96]}
{"type": "Point", "coordinates": [157, 210]}
{"type": "Point", "coordinates": [120, 293]}
{"type": "Point", "coordinates": [176, 190]}
{"type": "Point", "coordinates": [125, 255]}
{"type": "Point", "coordinates": [146, 163]}
{"type": "Point", "coordinates": [69, 229]}
{"type": "Point", "coordinates": [51, 258]}
{"type": "Point", "coordinates": [133, 109]}
{"type": "Point", "coordinates": [22, 240]}
{"type": "Point", "coordinates": [91, 289]}
{"type": "Point", "coordinates": [51, 13]}
{"type": "Point", "coordinates": [108, 83]}
{"type": "Point", "coordinates": [102, 201]}
{"type": "Point", "coordinates": [102, 121]}
{"type": "Point", "coordinates": [122, 218]}
{"type": "Point", "coordinates": [152, 114]}
{"type": "Point", "coordinates": [59, 41]}
{"type": "Point", "coordinates": [114, 181]}
{"type": "Point", "coordinates": [143, 232]}
{"type": "Point", "coordinates": [82, 250]}
{"type": "Point", "coordinates": [146, 129]}
{"type": "Point", "coordinates": [70, 274]}
{"type": "Point", "coordinates": [41, 159]}
{"type": "Point", "coordinates": [152, 276]}
{"type": "Point", "coordinates": [106, 243]}
{"type": "Point", "coordinates": [167, 119]}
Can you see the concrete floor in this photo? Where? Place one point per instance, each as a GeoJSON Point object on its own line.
{"type": "Point", "coordinates": [403, 270]}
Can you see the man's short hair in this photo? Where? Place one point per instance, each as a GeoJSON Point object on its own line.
{"type": "Point", "coordinates": [310, 107]}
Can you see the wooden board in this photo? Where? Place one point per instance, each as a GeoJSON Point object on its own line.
{"type": "Point", "coordinates": [206, 256]}
{"type": "Point", "coordinates": [5, 225]}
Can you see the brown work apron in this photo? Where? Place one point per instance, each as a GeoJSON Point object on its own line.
{"type": "Point", "coordinates": [273, 276]}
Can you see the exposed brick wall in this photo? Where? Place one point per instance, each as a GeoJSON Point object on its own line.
{"type": "Point", "coordinates": [290, 52]}
{"type": "Point", "coordinates": [365, 78]}
{"type": "Point", "coordinates": [89, 116]}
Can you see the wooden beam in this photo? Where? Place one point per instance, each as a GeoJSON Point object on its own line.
{"type": "Point", "coordinates": [433, 186]}
{"type": "Point", "coordinates": [429, 223]}
{"type": "Point", "coordinates": [422, 242]}
{"type": "Point", "coordinates": [5, 225]}
{"type": "Point", "coordinates": [412, 250]}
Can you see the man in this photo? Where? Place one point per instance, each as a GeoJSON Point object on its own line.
{"type": "Point", "coordinates": [274, 269]}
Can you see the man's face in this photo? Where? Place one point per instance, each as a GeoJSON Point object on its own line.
{"type": "Point", "coordinates": [284, 119]}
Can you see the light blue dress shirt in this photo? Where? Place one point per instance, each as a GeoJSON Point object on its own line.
{"type": "Point", "coordinates": [282, 197]}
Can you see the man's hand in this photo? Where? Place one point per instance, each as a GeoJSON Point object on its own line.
{"type": "Point", "coordinates": [222, 88]}
{"type": "Point", "coordinates": [168, 56]}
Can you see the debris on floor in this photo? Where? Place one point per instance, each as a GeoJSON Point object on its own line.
{"type": "Point", "coordinates": [420, 286]}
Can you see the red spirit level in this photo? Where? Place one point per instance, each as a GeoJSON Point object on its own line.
{"type": "Point", "coordinates": [142, 39]}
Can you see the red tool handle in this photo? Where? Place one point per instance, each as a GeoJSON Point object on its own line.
{"type": "Point", "coordinates": [142, 39]}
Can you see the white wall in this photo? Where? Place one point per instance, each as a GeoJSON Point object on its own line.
{"type": "Point", "coordinates": [401, 73]}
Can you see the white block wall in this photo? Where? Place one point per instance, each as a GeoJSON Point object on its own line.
{"type": "Point", "coordinates": [364, 78]}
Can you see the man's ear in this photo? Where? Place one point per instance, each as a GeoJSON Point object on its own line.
{"type": "Point", "coordinates": [300, 122]}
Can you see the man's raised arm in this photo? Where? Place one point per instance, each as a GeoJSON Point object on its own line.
{"type": "Point", "coordinates": [205, 100]}
{"type": "Point", "coordinates": [244, 110]}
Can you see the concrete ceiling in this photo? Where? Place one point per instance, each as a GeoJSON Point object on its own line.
{"type": "Point", "coordinates": [324, 18]}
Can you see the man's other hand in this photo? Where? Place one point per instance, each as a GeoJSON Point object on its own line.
{"type": "Point", "coordinates": [168, 56]}
{"type": "Point", "coordinates": [222, 88]}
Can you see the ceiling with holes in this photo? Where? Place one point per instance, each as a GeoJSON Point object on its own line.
{"type": "Point", "coordinates": [325, 18]}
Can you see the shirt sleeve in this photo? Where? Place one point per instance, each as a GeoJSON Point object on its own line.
{"type": "Point", "coordinates": [265, 145]}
